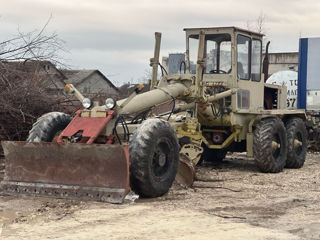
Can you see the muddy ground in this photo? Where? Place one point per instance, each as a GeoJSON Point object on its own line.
{"type": "Point", "coordinates": [229, 201]}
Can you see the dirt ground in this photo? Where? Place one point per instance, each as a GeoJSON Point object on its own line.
{"type": "Point", "coordinates": [232, 200]}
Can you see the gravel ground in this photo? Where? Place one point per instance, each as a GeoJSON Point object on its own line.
{"type": "Point", "coordinates": [232, 200]}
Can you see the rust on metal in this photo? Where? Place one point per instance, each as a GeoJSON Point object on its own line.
{"type": "Point", "coordinates": [91, 127]}
{"type": "Point", "coordinates": [186, 171]}
{"type": "Point", "coordinates": [96, 171]}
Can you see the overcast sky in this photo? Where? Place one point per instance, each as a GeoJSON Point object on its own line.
{"type": "Point", "coordinates": [117, 36]}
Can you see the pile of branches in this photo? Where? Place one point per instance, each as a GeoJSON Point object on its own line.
{"type": "Point", "coordinates": [23, 96]}
{"type": "Point", "coordinates": [22, 100]}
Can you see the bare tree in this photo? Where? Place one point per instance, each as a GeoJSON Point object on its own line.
{"type": "Point", "coordinates": [33, 45]}
{"type": "Point", "coordinates": [23, 95]}
{"type": "Point", "coordinates": [259, 25]}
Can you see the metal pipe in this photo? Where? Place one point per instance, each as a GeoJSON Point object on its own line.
{"type": "Point", "coordinates": [200, 64]}
{"type": "Point", "coordinates": [70, 88]}
{"type": "Point", "coordinates": [221, 95]}
{"type": "Point", "coordinates": [154, 62]}
{"type": "Point", "coordinates": [184, 107]}
{"type": "Point", "coordinates": [152, 98]}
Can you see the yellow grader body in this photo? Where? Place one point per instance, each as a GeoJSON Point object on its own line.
{"type": "Point", "coordinates": [224, 106]}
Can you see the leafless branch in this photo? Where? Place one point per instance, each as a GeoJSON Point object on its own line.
{"type": "Point", "coordinates": [33, 45]}
{"type": "Point", "coordinates": [258, 25]}
{"type": "Point", "coordinates": [24, 96]}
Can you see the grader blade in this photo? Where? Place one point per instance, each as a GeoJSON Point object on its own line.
{"type": "Point", "coordinates": [77, 171]}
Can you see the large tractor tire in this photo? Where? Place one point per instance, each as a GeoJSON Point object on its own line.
{"type": "Point", "coordinates": [48, 126]}
{"type": "Point", "coordinates": [297, 143]}
{"type": "Point", "coordinates": [212, 155]}
{"type": "Point", "coordinates": [270, 145]}
{"type": "Point", "coordinates": [154, 158]}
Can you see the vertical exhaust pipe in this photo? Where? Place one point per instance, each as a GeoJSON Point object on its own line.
{"type": "Point", "coordinates": [265, 68]}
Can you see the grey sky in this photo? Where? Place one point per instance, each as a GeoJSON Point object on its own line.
{"type": "Point", "coordinates": [117, 36]}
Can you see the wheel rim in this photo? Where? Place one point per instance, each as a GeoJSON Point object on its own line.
{"type": "Point", "coordinates": [161, 158]}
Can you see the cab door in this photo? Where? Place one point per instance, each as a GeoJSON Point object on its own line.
{"type": "Point", "coordinates": [251, 87]}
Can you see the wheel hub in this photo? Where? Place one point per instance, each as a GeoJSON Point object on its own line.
{"type": "Point", "coordinates": [162, 159]}
{"type": "Point", "coordinates": [275, 145]}
{"type": "Point", "coordinates": [297, 143]}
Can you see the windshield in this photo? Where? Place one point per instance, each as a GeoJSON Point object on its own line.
{"type": "Point", "coordinates": [217, 53]}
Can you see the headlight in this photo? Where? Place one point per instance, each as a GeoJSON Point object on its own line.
{"type": "Point", "coordinates": [86, 103]}
{"type": "Point", "coordinates": [110, 103]}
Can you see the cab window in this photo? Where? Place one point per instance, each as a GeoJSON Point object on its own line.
{"type": "Point", "coordinates": [249, 58]}
{"type": "Point", "coordinates": [217, 53]}
{"type": "Point", "coordinates": [256, 60]}
{"type": "Point", "coordinates": [243, 58]}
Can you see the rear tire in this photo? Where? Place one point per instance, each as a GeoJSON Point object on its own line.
{"type": "Point", "coordinates": [296, 130]}
{"type": "Point", "coordinates": [269, 159]}
{"type": "Point", "coordinates": [47, 127]}
{"type": "Point", "coordinates": [154, 158]}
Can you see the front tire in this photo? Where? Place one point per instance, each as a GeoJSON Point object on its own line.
{"type": "Point", "coordinates": [270, 145]}
{"type": "Point", "coordinates": [154, 158]}
{"type": "Point", "coordinates": [48, 126]}
{"type": "Point", "coordinates": [297, 143]}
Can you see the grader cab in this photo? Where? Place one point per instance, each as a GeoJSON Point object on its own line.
{"type": "Point", "coordinates": [221, 104]}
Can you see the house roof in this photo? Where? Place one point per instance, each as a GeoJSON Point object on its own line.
{"type": "Point", "coordinates": [76, 77]}
{"type": "Point", "coordinates": [39, 67]}
{"type": "Point", "coordinates": [32, 65]}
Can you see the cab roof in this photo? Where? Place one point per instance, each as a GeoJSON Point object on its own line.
{"type": "Point", "coordinates": [225, 28]}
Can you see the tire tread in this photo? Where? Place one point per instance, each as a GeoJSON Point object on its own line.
{"type": "Point", "coordinates": [43, 128]}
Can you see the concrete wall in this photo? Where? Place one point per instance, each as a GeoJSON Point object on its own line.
{"type": "Point", "coordinates": [283, 61]}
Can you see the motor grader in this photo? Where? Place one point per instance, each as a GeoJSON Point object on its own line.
{"type": "Point", "coordinates": [220, 104]}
